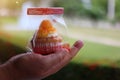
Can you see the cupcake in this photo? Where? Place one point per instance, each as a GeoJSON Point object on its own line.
{"type": "Point", "coordinates": [46, 40]}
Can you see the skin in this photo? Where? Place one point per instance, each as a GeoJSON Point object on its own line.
{"type": "Point", "coordinates": [32, 66]}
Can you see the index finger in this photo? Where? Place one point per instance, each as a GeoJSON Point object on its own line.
{"type": "Point", "coordinates": [67, 57]}
{"type": "Point", "coordinates": [63, 56]}
{"type": "Point", "coordinates": [76, 47]}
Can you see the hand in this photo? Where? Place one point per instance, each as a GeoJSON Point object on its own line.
{"type": "Point", "coordinates": [35, 66]}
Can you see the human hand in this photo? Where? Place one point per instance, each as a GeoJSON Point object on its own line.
{"type": "Point", "coordinates": [37, 66]}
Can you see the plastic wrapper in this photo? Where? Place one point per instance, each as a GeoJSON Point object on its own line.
{"type": "Point", "coordinates": [49, 33]}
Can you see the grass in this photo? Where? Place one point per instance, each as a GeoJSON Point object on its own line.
{"type": "Point", "coordinates": [107, 33]}
{"type": "Point", "coordinates": [7, 20]}
{"type": "Point", "coordinates": [97, 53]}
{"type": "Point", "coordinates": [19, 38]}
{"type": "Point", "coordinates": [94, 62]}
{"type": "Point", "coordinates": [90, 53]}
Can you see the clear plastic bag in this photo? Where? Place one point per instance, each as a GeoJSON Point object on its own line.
{"type": "Point", "coordinates": [49, 33]}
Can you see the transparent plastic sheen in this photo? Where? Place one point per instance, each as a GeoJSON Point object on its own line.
{"type": "Point", "coordinates": [50, 30]}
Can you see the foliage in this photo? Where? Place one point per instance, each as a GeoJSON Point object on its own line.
{"type": "Point", "coordinates": [97, 11]}
{"type": "Point", "coordinates": [73, 8]}
{"type": "Point", "coordinates": [77, 8]}
{"type": "Point", "coordinates": [118, 10]}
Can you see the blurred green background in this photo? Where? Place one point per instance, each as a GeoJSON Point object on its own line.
{"type": "Point", "coordinates": [96, 22]}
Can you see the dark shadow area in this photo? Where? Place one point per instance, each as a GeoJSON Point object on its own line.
{"type": "Point", "coordinates": [75, 71]}
{"type": "Point", "coordinates": [7, 50]}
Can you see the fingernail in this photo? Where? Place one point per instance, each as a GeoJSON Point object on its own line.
{"type": "Point", "coordinates": [78, 44]}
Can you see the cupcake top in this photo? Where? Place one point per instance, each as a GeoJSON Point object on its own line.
{"type": "Point", "coordinates": [46, 29]}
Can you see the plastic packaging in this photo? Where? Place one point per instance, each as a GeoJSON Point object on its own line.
{"type": "Point", "coordinates": [49, 33]}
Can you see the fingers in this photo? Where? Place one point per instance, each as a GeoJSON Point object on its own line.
{"type": "Point", "coordinates": [75, 48]}
{"type": "Point", "coordinates": [48, 63]}
{"type": "Point", "coordinates": [63, 56]}
{"type": "Point", "coordinates": [56, 57]}
{"type": "Point", "coordinates": [73, 51]}
{"type": "Point", "coordinates": [67, 57]}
